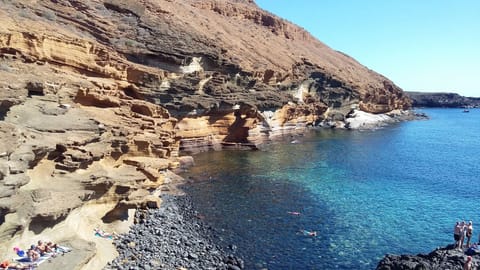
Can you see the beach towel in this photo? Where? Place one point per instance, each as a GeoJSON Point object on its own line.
{"type": "Point", "coordinates": [26, 261]}
{"type": "Point", "coordinates": [62, 249]}
{"type": "Point", "coordinates": [104, 236]}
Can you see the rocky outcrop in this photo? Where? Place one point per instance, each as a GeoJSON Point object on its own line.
{"type": "Point", "coordinates": [230, 53]}
{"type": "Point", "coordinates": [442, 100]}
{"type": "Point", "coordinates": [441, 258]}
{"type": "Point", "coordinates": [98, 98]}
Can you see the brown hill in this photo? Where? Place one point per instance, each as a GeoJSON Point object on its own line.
{"type": "Point", "coordinates": [99, 96]}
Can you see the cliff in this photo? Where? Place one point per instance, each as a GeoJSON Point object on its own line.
{"type": "Point", "coordinates": [442, 100]}
{"type": "Point", "coordinates": [99, 96]}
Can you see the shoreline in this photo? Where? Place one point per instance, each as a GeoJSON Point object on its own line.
{"type": "Point", "coordinates": [176, 208]}
{"type": "Point", "coordinates": [96, 252]}
{"type": "Point", "coordinates": [440, 258]}
{"type": "Point", "coordinates": [355, 120]}
{"type": "Point", "coordinates": [172, 237]}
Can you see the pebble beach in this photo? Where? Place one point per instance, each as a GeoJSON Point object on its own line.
{"type": "Point", "coordinates": [172, 237]}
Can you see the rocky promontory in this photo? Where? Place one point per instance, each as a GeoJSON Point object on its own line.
{"type": "Point", "coordinates": [442, 100]}
{"type": "Point", "coordinates": [440, 258]}
{"type": "Point", "coordinates": [99, 98]}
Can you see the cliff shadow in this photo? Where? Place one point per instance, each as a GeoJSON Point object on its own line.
{"type": "Point", "coordinates": [237, 132]}
{"type": "Point", "coordinates": [40, 223]}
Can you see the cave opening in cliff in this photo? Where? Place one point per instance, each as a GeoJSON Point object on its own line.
{"type": "Point", "coordinates": [238, 131]}
{"type": "Point", "coordinates": [120, 212]}
{"type": "Point", "coordinates": [40, 223]}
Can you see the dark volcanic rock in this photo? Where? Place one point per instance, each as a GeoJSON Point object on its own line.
{"type": "Point", "coordinates": [448, 100]}
{"type": "Point", "coordinates": [171, 237]}
{"type": "Point", "coordinates": [441, 258]}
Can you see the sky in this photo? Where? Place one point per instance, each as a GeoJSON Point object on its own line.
{"type": "Point", "coordinates": [421, 45]}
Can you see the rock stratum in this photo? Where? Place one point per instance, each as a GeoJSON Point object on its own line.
{"type": "Point", "coordinates": [99, 97]}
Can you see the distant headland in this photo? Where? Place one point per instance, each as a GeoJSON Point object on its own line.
{"type": "Point", "coordinates": [445, 100]}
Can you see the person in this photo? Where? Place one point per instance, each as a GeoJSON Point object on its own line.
{"type": "Point", "coordinates": [19, 252]}
{"type": "Point", "coordinates": [41, 248]}
{"type": "Point", "coordinates": [463, 231]}
{"type": "Point", "coordinates": [13, 265]}
{"type": "Point", "coordinates": [468, 263]}
{"type": "Point", "coordinates": [102, 233]}
{"type": "Point", "coordinates": [32, 253]}
{"type": "Point", "coordinates": [472, 250]}
{"type": "Point", "coordinates": [469, 232]}
{"type": "Point", "coordinates": [5, 264]}
{"type": "Point", "coordinates": [456, 234]}
{"type": "Point", "coordinates": [51, 247]}
{"type": "Point", "coordinates": [309, 233]}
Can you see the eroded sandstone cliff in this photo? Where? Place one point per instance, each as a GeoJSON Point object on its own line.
{"type": "Point", "coordinates": [99, 96]}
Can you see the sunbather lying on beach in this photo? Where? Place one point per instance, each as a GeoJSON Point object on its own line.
{"type": "Point", "coordinates": [51, 246]}
{"type": "Point", "coordinates": [19, 252]}
{"type": "Point", "coordinates": [42, 248]}
{"type": "Point", "coordinates": [102, 233]}
{"type": "Point", "coordinates": [12, 265]}
{"type": "Point", "coordinates": [32, 253]}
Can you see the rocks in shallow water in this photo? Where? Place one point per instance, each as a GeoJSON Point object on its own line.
{"type": "Point", "coordinates": [441, 258]}
{"type": "Point", "coordinates": [171, 237]}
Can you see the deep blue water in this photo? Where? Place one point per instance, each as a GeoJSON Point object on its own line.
{"type": "Point", "coordinates": [395, 190]}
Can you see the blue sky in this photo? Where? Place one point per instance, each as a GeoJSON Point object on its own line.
{"type": "Point", "coordinates": [425, 45]}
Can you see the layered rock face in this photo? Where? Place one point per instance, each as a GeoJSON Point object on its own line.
{"type": "Point", "coordinates": [98, 97]}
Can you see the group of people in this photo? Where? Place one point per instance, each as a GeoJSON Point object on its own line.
{"type": "Point", "coordinates": [461, 231]}
{"type": "Point", "coordinates": [36, 251]}
{"type": "Point", "coordinates": [30, 258]}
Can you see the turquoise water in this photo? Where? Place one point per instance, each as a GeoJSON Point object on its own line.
{"type": "Point", "coordinates": [395, 190]}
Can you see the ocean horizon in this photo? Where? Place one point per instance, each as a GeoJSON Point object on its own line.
{"type": "Point", "coordinates": [396, 190]}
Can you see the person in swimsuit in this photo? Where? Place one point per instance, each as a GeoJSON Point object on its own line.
{"type": "Point", "coordinates": [463, 231]}
{"type": "Point", "coordinates": [102, 233]}
{"type": "Point", "coordinates": [33, 254]}
{"type": "Point", "coordinates": [456, 234]}
{"type": "Point", "coordinates": [41, 248]}
{"type": "Point", "coordinates": [308, 233]}
{"type": "Point", "coordinates": [468, 263]}
{"type": "Point", "coordinates": [51, 247]}
{"type": "Point", "coordinates": [19, 252]}
{"type": "Point", "coordinates": [469, 233]}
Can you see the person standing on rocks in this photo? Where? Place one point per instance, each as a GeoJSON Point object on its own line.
{"type": "Point", "coordinates": [463, 231]}
{"type": "Point", "coordinates": [468, 263]}
{"type": "Point", "coordinates": [456, 234]}
{"type": "Point", "coordinates": [469, 232]}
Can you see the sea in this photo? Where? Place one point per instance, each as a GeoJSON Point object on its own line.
{"type": "Point", "coordinates": [398, 190]}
